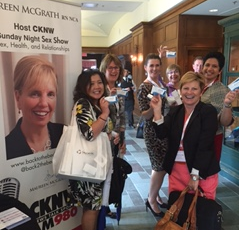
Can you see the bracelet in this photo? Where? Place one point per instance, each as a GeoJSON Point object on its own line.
{"type": "Point", "coordinates": [228, 106]}
{"type": "Point", "coordinates": [103, 119]}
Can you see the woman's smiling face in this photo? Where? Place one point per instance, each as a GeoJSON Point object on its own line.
{"type": "Point", "coordinates": [112, 72]}
{"type": "Point", "coordinates": [211, 69]}
{"type": "Point", "coordinates": [173, 76]}
{"type": "Point", "coordinates": [96, 88]}
{"type": "Point", "coordinates": [153, 68]}
{"type": "Point", "coordinates": [191, 93]}
{"type": "Point", "coordinates": [38, 101]}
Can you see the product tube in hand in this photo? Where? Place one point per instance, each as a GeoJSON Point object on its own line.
{"type": "Point", "coordinates": [157, 90]}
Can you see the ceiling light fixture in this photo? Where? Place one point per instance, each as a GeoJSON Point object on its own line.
{"type": "Point", "coordinates": [213, 10]}
{"type": "Point", "coordinates": [89, 5]}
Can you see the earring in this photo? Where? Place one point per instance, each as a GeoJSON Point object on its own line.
{"type": "Point", "coordinates": [19, 111]}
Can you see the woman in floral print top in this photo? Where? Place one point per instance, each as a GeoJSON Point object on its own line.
{"type": "Point", "coordinates": [89, 95]}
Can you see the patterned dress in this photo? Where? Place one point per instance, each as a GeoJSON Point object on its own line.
{"type": "Point", "coordinates": [82, 193]}
{"type": "Point", "coordinates": [117, 115]}
{"type": "Point", "coordinates": [214, 95]}
{"type": "Point", "coordinates": [156, 148]}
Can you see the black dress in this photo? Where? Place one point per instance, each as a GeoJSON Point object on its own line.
{"type": "Point", "coordinates": [16, 144]}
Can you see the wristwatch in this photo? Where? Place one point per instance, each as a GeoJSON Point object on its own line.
{"type": "Point", "coordinates": [194, 178]}
{"type": "Point", "coordinates": [228, 106]}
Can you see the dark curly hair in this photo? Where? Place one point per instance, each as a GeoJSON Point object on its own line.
{"type": "Point", "coordinates": [217, 55]}
{"type": "Point", "coordinates": [83, 81]}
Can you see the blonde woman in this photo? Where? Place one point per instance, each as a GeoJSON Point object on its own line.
{"type": "Point", "coordinates": [35, 89]}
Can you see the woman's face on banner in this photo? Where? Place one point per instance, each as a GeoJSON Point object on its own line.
{"type": "Point", "coordinates": [38, 101]}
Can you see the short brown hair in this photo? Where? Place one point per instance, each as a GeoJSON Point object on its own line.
{"type": "Point", "coordinates": [107, 60]}
{"type": "Point", "coordinates": [197, 58]}
{"type": "Point", "coordinates": [152, 56]}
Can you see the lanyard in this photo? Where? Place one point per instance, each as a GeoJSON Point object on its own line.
{"type": "Point", "coordinates": [117, 108]}
{"type": "Point", "coordinates": [184, 128]}
{"type": "Point", "coordinates": [209, 85]}
{"type": "Point", "coordinates": [154, 83]}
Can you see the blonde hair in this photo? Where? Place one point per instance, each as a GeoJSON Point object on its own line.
{"type": "Point", "coordinates": [174, 67]}
{"type": "Point", "coordinates": [192, 76]}
{"type": "Point", "coordinates": [31, 70]}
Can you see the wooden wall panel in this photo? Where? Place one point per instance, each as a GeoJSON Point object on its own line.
{"type": "Point", "coordinates": [137, 37]}
{"type": "Point", "coordinates": [197, 39]}
{"type": "Point", "coordinates": [166, 33]}
{"type": "Point", "coordinates": [201, 26]}
{"type": "Point", "coordinates": [114, 50]}
{"type": "Point", "coordinates": [140, 42]}
{"type": "Point", "coordinates": [142, 38]}
{"type": "Point", "coordinates": [158, 37]}
{"type": "Point", "coordinates": [122, 47]}
{"type": "Point", "coordinates": [171, 31]}
{"type": "Point", "coordinates": [96, 50]}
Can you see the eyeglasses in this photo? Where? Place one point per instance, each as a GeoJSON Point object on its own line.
{"type": "Point", "coordinates": [173, 72]}
{"type": "Point", "coordinates": [111, 68]}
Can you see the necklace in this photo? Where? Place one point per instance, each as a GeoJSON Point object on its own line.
{"type": "Point", "coordinates": [47, 145]}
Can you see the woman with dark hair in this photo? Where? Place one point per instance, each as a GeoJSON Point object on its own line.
{"type": "Point", "coordinates": [156, 148]}
{"type": "Point", "coordinates": [89, 97]}
{"type": "Point", "coordinates": [217, 94]}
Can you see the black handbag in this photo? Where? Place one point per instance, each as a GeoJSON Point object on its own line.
{"type": "Point", "coordinates": [208, 211]}
{"type": "Point", "coordinates": [169, 221]}
{"type": "Point", "coordinates": [140, 128]}
{"type": "Point", "coordinates": [121, 169]}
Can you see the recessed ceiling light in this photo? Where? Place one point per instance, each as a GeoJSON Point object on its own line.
{"type": "Point", "coordinates": [89, 5]}
{"type": "Point", "coordinates": [213, 10]}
